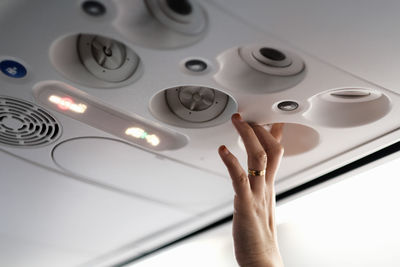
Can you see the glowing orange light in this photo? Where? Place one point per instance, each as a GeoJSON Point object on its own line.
{"type": "Point", "coordinates": [66, 103]}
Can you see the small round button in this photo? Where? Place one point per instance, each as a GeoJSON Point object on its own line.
{"type": "Point", "coordinates": [12, 69]}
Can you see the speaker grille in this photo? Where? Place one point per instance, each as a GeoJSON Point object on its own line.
{"type": "Point", "coordinates": [26, 125]}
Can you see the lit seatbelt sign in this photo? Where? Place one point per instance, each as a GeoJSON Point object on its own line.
{"type": "Point", "coordinates": [66, 103]}
{"type": "Point", "coordinates": [142, 134]}
{"type": "Point", "coordinates": [89, 110]}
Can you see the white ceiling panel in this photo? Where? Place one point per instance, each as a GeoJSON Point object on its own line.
{"type": "Point", "coordinates": [42, 209]}
{"type": "Point", "coordinates": [22, 252]}
{"type": "Point", "coordinates": [121, 165]}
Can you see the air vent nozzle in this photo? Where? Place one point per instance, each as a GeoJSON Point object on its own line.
{"type": "Point", "coordinates": [161, 24]}
{"type": "Point", "coordinates": [95, 61]}
{"type": "Point", "coordinates": [196, 98]}
{"type": "Point", "coordinates": [348, 107]}
{"type": "Point", "coordinates": [192, 106]}
{"type": "Point", "coordinates": [106, 58]}
{"type": "Point", "coordinates": [259, 69]}
{"type": "Point", "coordinates": [195, 103]}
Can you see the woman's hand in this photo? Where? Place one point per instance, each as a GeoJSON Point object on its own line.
{"type": "Point", "coordinates": [254, 229]}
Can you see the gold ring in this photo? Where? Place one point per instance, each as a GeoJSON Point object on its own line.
{"type": "Point", "coordinates": [256, 173]}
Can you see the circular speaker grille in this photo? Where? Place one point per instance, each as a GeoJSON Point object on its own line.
{"type": "Point", "coordinates": [25, 124]}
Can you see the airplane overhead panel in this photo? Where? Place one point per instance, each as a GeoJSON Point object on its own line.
{"type": "Point", "coordinates": [116, 109]}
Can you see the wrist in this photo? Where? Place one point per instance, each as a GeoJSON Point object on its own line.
{"type": "Point", "coordinates": [270, 261]}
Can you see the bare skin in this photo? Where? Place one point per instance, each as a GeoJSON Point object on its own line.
{"type": "Point", "coordinates": [254, 229]}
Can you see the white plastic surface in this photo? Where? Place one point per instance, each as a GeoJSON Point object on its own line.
{"type": "Point", "coordinates": [296, 139]}
{"type": "Point", "coordinates": [123, 166]}
{"type": "Point", "coordinates": [51, 220]}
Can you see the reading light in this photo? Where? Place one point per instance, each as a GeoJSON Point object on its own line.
{"type": "Point", "coordinates": [196, 65]}
{"type": "Point", "coordinates": [66, 103]}
{"type": "Point", "coordinates": [288, 106]}
{"type": "Point", "coordinates": [94, 8]}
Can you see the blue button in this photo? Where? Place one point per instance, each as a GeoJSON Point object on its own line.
{"type": "Point", "coordinates": [12, 69]}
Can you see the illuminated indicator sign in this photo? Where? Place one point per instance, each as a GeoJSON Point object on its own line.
{"type": "Point", "coordinates": [66, 103]}
{"type": "Point", "coordinates": [142, 134]}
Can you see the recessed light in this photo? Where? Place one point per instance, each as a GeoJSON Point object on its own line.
{"type": "Point", "coordinates": [288, 105]}
{"type": "Point", "coordinates": [93, 8]}
{"type": "Point", "coordinates": [196, 65]}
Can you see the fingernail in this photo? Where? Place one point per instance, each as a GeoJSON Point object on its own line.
{"type": "Point", "coordinates": [237, 116]}
{"type": "Point", "coordinates": [224, 150]}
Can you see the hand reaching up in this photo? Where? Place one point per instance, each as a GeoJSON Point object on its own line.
{"type": "Point", "coordinates": [254, 229]}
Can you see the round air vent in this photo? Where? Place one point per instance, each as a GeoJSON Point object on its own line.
{"type": "Point", "coordinates": [24, 124]}
{"type": "Point", "coordinates": [192, 106]}
{"type": "Point", "coordinates": [196, 104]}
{"type": "Point", "coordinates": [106, 58]}
{"type": "Point", "coordinates": [162, 24]}
{"type": "Point", "coordinates": [183, 16]}
{"type": "Point", "coordinates": [348, 107]}
{"type": "Point", "coordinates": [271, 60]}
{"type": "Point", "coordinates": [95, 61]}
{"type": "Point", "coordinates": [259, 69]}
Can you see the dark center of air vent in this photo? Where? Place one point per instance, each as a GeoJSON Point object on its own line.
{"type": "Point", "coordinates": [182, 7]}
{"type": "Point", "coordinates": [25, 124]}
{"type": "Point", "coordinates": [272, 54]}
